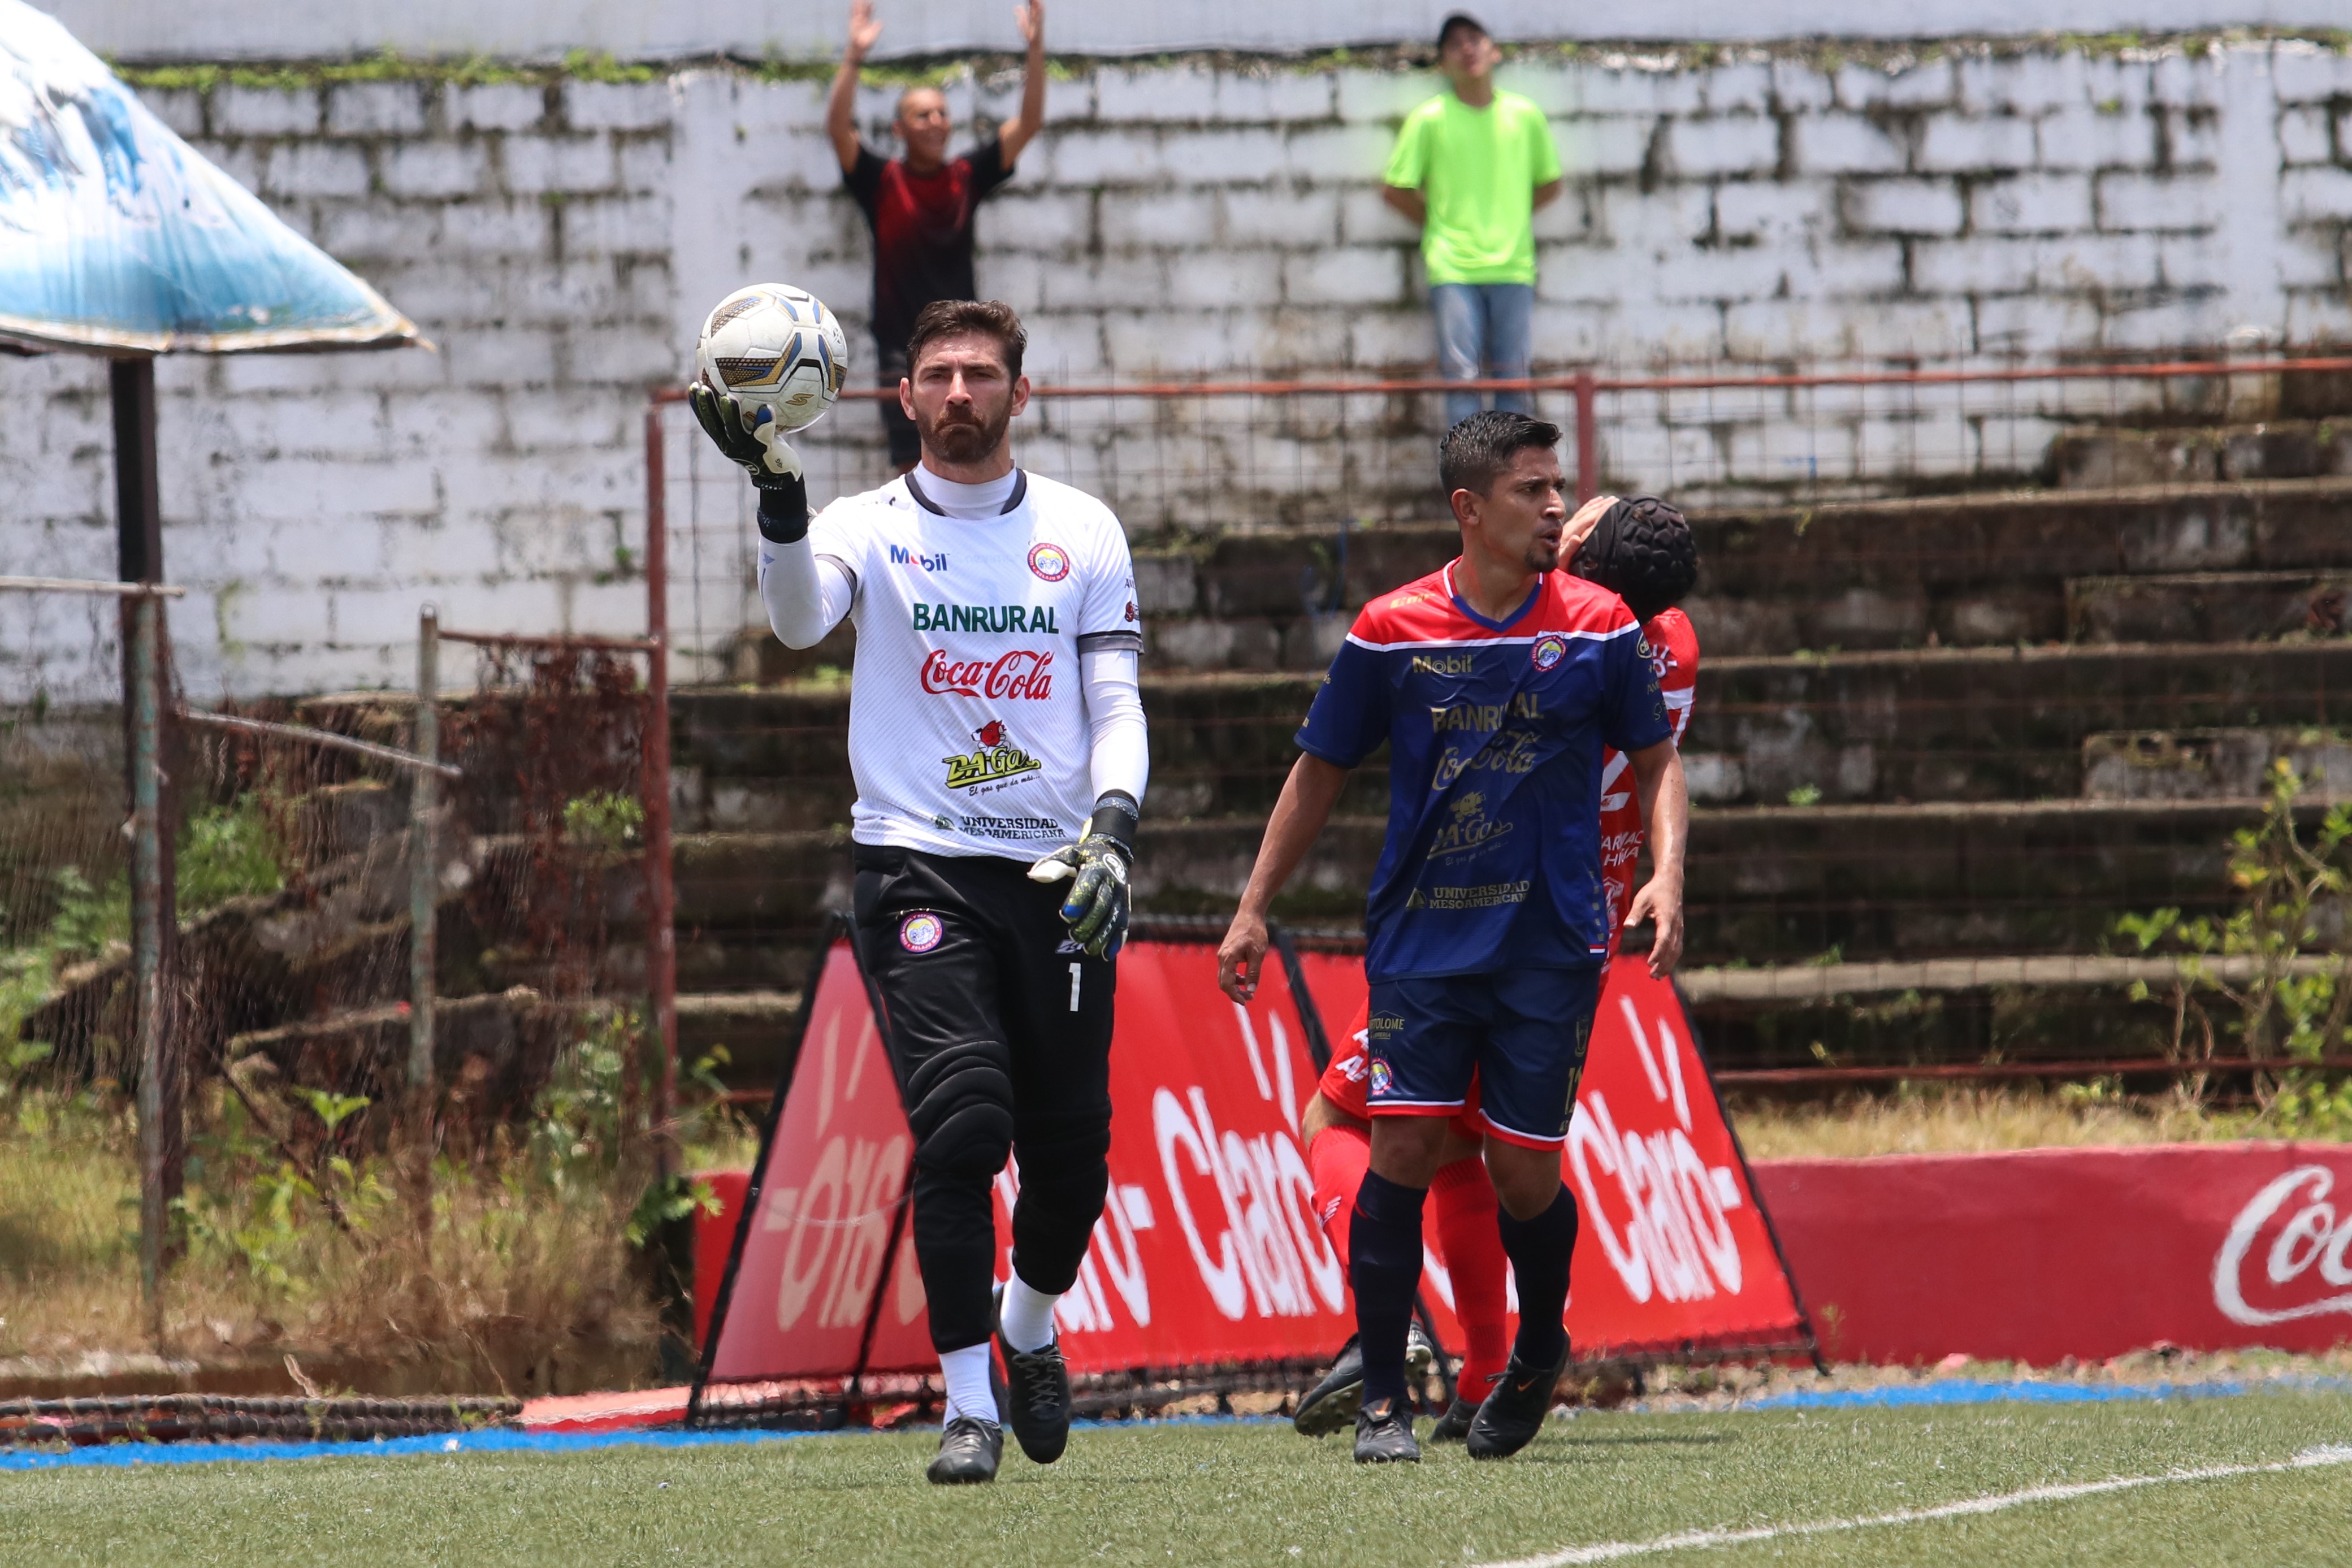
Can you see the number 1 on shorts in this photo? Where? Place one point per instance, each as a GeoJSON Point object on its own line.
{"type": "Point", "coordinates": [1076, 975]}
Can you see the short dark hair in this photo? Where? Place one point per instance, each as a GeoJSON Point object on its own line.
{"type": "Point", "coordinates": [1643, 550]}
{"type": "Point", "coordinates": [1453, 24]}
{"type": "Point", "coordinates": [989, 318]}
{"type": "Point", "coordinates": [1478, 452]}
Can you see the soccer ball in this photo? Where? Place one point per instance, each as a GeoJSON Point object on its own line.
{"type": "Point", "coordinates": [778, 351]}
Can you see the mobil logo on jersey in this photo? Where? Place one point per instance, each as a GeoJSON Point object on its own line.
{"type": "Point", "coordinates": [1017, 675]}
{"type": "Point", "coordinates": [930, 562]}
{"type": "Point", "coordinates": [1674, 1246]}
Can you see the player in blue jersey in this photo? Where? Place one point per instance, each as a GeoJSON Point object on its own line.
{"type": "Point", "coordinates": [1494, 681]}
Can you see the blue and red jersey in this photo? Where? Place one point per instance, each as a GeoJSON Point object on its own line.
{"type": "Point", "coordinates": [1495, 732]}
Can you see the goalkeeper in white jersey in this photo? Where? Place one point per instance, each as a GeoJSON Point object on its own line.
{"type": "Point", "coordinates": [996, 736]}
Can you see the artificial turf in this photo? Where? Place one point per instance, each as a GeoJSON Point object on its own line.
{"type": "Point", "coordinates": [1227, 1492]}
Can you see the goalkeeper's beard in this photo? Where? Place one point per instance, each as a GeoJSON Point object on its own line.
{"type": "Point", "coordinates": [953, 440]}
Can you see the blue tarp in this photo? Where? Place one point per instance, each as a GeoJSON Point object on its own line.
{"type": "Point", "coordinates": [116, 236]}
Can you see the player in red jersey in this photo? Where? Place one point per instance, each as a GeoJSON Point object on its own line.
{"type": "Point", "coordinates": [1641, 550]}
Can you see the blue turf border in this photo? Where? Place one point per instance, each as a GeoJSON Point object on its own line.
{"type": "Point", "coordinates": [1949, 1391]}
{"type": "Point", "coordinates": [2028, 1391]}
{"type": "Point", "coordinates": [493, 1440]}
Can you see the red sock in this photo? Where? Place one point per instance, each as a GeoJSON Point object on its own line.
{"type": "Point", "coordinates": [1337, 1158]}
{"type": "Point", "coordinates": [1472, 1245]}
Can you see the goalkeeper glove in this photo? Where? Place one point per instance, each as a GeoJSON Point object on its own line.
{"type": "Point", "coordinates": [763, 453]}
{"type": "Point", "coordinates": [1097, 867]}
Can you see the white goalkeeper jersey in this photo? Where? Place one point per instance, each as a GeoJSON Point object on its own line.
{"type": "Point", "coordinates": [968, 726]}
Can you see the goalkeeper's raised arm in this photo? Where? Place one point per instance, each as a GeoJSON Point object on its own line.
{"type": "Point", "coordinates": [997, 738]}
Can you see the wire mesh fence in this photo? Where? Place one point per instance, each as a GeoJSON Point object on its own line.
{"type": "Point", "coordinates": [1996, 659]}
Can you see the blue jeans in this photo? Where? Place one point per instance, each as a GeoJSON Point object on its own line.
{"type": "Point", "coordinates": [1488, 328]}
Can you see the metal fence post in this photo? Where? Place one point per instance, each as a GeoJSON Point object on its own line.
{"type": "Point", "coordinates": [423, 857]}
{"type": "Point", "coordinates": [661, 933]}
{"type": "Point", "coordinates": [147, 948]}
{"type": "Point", "coordinates": [1587, 439]}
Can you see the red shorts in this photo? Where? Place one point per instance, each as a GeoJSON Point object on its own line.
{"type": "Point", "coordinates": [1346, 1083]}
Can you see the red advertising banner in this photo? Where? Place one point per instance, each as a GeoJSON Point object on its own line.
{"type": "Point", "coordinates": [2042, 1254]}
{"type": "Point", "coordinates": [1208, 1250]}
{"type": "Point", "coordinates": [1675, 1249]}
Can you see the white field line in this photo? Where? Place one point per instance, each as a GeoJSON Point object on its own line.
{"type": "Point", "coordinates": [1700, 1540]}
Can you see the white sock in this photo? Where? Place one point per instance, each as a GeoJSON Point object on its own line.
{"type": "Point", "coordinates": [1027, 1317]}
{"type": "Point", "coordinates": [966, 1371]}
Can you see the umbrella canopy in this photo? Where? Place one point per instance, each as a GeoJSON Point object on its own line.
{"type": "Point", "coordinates": [115, 237]}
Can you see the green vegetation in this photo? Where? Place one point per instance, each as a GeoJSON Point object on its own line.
{"type": "Point", "coordinates": [1259, 1494]}
{"type": "Point", "coordinates": [935, 70]}
{"type": "Point", "coordinates": [311, 1228]}
{"type": "Point", "coordinates": [2258, 962]}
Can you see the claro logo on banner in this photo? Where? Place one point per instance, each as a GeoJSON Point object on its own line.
{"type": "Point", "coordinates": [1207, 1249]}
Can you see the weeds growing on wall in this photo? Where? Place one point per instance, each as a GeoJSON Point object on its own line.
{"type": "Point", "coordinates": [2279, 961]}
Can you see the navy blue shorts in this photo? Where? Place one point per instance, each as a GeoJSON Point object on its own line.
{"type": "Point", "coordinates": [1521, 1032]}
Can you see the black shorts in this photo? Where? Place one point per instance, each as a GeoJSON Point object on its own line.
{"type": "Point", "coordinates": [906, 443]}
{"type": "Point", "coordinates": [999, 1031]}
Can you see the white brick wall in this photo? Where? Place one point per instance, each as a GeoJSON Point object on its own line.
{"type": "Point", "coordinates": [1192, 218]}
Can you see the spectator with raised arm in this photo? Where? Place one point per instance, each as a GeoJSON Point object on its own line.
{"type": "Point", "coordinates": [919, 205]}
{"type": "Point", "coordinates": [1471, 166]}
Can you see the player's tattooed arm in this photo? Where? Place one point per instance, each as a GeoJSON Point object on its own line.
{"type": "Point", "coordinates": [1665, 815]}
{"type": "Point", "coordinates": [1307, 797]}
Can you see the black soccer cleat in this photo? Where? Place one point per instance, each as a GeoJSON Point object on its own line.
{"type": "Point", "coordinates": [1455, 1425]}
{"type": "Point", "coordinates": [1331, 1404]}
{"type": "Point", "coordinates": [1036, 1398]}
{"type": "Point", "coordinates": [1384, 1435]}
{"type": "Point", "coordinates": [970, 1450]}
{"type": "Point", "coordinates": [1515, 1408]}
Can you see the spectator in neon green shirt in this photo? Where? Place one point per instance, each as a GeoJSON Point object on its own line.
{"type": "Point", "coordinates": [1471, 166]}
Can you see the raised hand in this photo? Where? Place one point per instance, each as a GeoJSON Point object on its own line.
{"type": "Point", "coordinates": [862, 28]}
{"type": "Point", "coordinates": [1030, 18]}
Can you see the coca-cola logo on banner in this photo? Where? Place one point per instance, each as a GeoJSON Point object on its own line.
{"type": "Point", "coordinates": [1020, 675]}
{"type": "Point", "coordinates": [2285, 1256]}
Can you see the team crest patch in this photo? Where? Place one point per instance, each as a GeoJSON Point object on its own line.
{"type": "Point", "coordinates": [1050, 561]}
{"type": "Point", "coordinates": [1381, 1077]}
{"type": "Point", "coordinates": [1550, 648]}
{"type": "Point", "coordinates": [922, 932]}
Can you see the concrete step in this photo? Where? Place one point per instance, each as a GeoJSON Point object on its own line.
{"type": "Point", "coordinates": [2019, 1008]}
{"type": "Point", "coordinates": [2009, 1008]}
{"type": "Point", "coordinates": [2215, 765]}
{"type": "Point", "coordinates": [1987, 567]}
{"type": "Point", "coordinates": [1776, 884]}
{"type": "Point", "coordinates": [2279, 449]}
{"type": "Point", "coordinates": [2207, 607]}
{"type": "Point", "coordinates": [1982, 723]}
{"type": "Point", "coordinates": [1983, 569]}
{"type": "Point", "coordinates": [1928, 724]}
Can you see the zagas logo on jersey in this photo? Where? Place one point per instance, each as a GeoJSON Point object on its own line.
{"type": "Point", "coordinates": [1020, 620]}
{"type": "Point", "coordinates": [996, 760]}
{"type": "Point", "coordinates": [1550, 648]}
{"type": "Point", "coordinates": [900, 556]}
{"type": "Point", "coordinates": [1050, 561]}
{"type": "Point", "coordinates": [1024, 673]}
{"type": "Point", "coordinates": [1471, 828]}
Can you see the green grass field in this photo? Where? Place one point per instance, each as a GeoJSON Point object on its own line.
{"type": "Point", "coordinates": [1257, 1492]}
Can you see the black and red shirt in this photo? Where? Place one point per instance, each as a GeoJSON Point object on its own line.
{"type": "Point", "coordinates": [923, 231]}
